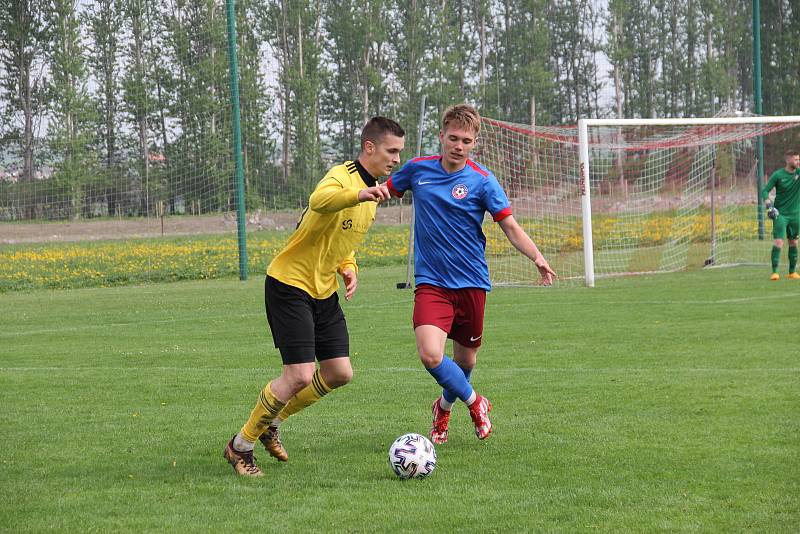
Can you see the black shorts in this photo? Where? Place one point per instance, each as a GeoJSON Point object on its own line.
{"type": "Point", "coordinates": [304, 327]}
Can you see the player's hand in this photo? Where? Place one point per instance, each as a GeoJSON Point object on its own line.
{"type": "Point", "coordinates": [350, 283]}
{"type": "Point", "coordinates": [772, 213]}
{"type": "Point", "coordinates": [377, 193]}
{"type": "Point", "coordinates": [548, 275]}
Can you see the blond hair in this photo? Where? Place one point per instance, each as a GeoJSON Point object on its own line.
{"type": "Point", "coordinates": [462, 116]}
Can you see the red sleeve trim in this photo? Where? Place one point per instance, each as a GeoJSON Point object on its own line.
{"type": "Point", "coordinates": [426, 158]}
{"type": "Point", "coordinates": [502, 214]}
{"type": "Point", "coordinates": [476, 168]}
{"type": "Point", "coordinates": [392, 190]}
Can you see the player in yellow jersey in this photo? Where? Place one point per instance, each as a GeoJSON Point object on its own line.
{"type": "Point", "coordinates": [303, 309]}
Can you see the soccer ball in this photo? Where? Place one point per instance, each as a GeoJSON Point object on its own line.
{"type": "Point", "coordinates": [412, 456]}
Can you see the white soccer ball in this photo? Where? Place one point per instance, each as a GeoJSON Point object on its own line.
{"type": "Point", "coordinates": [412, 456]}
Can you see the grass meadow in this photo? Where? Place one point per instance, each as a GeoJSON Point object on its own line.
{"type": "Point", "coordinates": [666, 403]}
{"type": "Point", "coordinates": [621, 247]}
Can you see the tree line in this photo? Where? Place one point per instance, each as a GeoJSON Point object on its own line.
{"type": "Point", "coordinates": [123, 106]}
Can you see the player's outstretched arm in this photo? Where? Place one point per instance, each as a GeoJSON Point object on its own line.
{"type": "Point", "coordinates": [331, 196]}
{"type": "Point", "coordinates": [522, 242]}
{"type": "Point", "coordinates": [377, 193]}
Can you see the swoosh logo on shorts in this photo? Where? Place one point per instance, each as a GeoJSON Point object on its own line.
{"type": "Point", "coordinates": [420, 182]}
{"type": "Point", "coordinates": [475, 338]}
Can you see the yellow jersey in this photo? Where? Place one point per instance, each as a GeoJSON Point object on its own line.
{"type": "Point", "coordinates": [329, 231]}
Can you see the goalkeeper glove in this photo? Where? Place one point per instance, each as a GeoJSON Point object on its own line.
{"type": "Point", "coordinates": [772, 211]}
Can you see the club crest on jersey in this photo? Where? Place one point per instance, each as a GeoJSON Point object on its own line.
{"type": "Point", "coordinates": [460, 191]}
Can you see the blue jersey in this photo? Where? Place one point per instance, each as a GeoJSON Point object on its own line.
{"type": "Point", "coordinates": [449, 244]}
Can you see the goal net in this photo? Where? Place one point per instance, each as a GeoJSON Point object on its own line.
{"type": "Point", "coordinates": [647, 196]}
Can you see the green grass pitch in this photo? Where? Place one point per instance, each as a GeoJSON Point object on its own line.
{"type": "Point", "coordinates": [654, 403]}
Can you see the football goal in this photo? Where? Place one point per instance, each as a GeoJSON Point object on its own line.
{"type": "Point", "coordinates": [613, 197]}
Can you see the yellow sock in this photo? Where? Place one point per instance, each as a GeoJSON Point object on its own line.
{"type": "Point", "coordinates": [306, 396]}
{"type": "Point", "coordinates": [267, 407]}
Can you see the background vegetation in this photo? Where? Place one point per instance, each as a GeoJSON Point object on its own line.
{"type": "Point", "coordinates": [121, 107]}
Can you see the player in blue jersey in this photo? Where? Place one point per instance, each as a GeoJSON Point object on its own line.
{"type": "Point", "coordinates": [451, 195]}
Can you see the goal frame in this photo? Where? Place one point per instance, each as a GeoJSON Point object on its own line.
{"type": "Point", "coordinates": [585, 163]}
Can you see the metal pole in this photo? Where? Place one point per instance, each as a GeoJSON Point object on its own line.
{"type": "Point", "coordinates": [793, 120]}
{"type": "Point", "coordinates": [758, 110]}
{"type": "Point", "coordinates": [586, 204]}
{"type": "Point", "coordinates": [237, 139]}
{"type": "Point", "coordinates": [713, 259]}
{"type": "Point", "coordinates": [410, 258]}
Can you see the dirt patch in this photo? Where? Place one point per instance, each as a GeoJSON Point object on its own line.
{"type": "Point", "coordinates": [89, 230]}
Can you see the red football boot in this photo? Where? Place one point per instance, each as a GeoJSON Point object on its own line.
{"type": "Point", "coordinates": [441, 420]}
{"type": "Point", "coordinates": [479, 411]}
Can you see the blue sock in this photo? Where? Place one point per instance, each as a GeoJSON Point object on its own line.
{"type": "Point", "coordinates": [448, 395]}
{"type": "Point", "coordinates": [451, 377]}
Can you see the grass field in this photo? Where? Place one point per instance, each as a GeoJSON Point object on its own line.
{"type": "Point", "coordinates": [661, 403]}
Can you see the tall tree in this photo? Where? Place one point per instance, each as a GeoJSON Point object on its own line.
{"type": "Point", "coordinates": [104, 22]}
{"type": "Point", "coordinates": [23, 43]}
{"type": "Point", "coordinates": [137, 97]}
{"type": "Point", "coordinates": [356, 88]}
{"type": "Point", "coordinates": [257, 147]}
{"type": "Point", "coordinates": [618, 50]}
{"type": "Point", "coordinates": [70, 106]}
{"type": "Point", "coordinates": [780, 35]}
{"type": "Point", "coordinates": [445, 72]}
{"type": "Point", "coordinates": [294, 30]}
{"type": "Point", "coordinates": [410, 45]}
{"type": "Point", "coordinates": [573, 49]}
{"type": "Point", "coordinates": [202, 148]}
{"type": "Point", "coordinates": [689, 77]}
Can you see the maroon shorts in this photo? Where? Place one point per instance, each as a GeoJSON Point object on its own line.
{"type": "Point", "coordinates": [459, 312]}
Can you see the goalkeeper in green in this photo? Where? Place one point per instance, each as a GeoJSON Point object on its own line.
{"type": "Point", "coordinates": [784, 211]}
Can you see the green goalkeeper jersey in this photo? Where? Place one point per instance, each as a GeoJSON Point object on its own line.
{"type": "Point", "coordinates": [787, 191]}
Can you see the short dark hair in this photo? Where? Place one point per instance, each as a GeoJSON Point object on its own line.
{"type": "Point", "coordinates": [377, 127]}
{"type": "Point", "coordinates": [791, 152]}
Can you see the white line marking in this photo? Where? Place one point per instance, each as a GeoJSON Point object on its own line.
{"type": "Point", "coordinates": [538, 302]}
{"type": "Point", "coordinates": [215, 319]}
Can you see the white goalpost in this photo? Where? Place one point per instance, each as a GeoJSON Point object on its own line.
{"type": "Point", "coordinates": [613, 197]}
